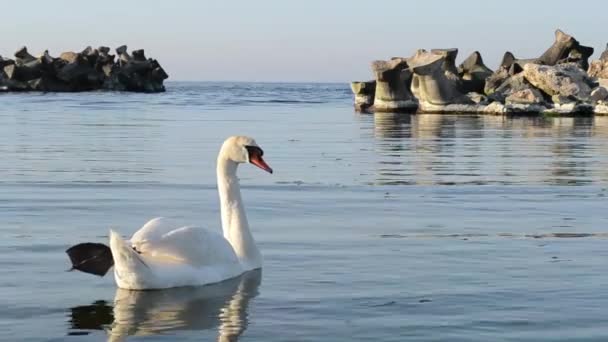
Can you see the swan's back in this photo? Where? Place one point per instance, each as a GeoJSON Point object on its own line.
{"type": "Point", "coordinates": [170, 257]}
{"type": "Point", "coordinates": [194, 246]}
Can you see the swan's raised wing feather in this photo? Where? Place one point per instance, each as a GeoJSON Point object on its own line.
{"type": "Point", "coordinates": [154, 229]}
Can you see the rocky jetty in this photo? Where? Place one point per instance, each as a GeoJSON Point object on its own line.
{"type": "Point", "coordinates": [560, 81]}
{"type": "Point", "coordinates": [90, 69]}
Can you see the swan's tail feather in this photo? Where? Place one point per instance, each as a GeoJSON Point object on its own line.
{"type": "Point", "coordinates": [129, 267]}
{"type": "Point", "coordinates": [93, 258]}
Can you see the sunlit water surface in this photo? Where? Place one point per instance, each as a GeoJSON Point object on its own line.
{"type": "Point", "coordinates": [373, 228]}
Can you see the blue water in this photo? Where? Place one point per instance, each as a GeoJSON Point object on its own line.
{"type": "Point", "coordinates": [373, 228]}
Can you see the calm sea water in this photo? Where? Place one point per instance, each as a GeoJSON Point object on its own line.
{"type": "Point", "coordinates": [373, 228]}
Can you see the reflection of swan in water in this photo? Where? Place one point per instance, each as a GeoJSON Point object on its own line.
{"type": "Point", "coordinates": [223, 305]}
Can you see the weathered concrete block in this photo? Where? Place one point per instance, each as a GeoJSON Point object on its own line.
{"type": "Point", "coordinates": [364, 95]}
{"type": "Point", "coordinates": [392, 92]}
{"type": "Point", "coordinates": [474, 73]}
{"type": "Point", "coordinates": [430, 84]}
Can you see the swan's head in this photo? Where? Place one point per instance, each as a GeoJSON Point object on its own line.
{"type": "Point", "coordinates": [241, 149]}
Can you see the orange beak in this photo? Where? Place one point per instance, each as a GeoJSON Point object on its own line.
{"type": "Point", "coordinates": [258, 161]}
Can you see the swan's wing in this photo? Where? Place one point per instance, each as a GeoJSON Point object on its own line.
{"type": "Point", "coordinates": [188, 245]}
{"type": "Point", "coordinates": [154, 229]}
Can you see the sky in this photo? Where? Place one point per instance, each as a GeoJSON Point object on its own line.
{"type": "Point", "coordinates": [297, 41]}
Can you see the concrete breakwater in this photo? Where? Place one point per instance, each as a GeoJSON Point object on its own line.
{"type": "Point", "coordinates": [560, 81]}
{"type": "Point", "coordinates": [90, 69]}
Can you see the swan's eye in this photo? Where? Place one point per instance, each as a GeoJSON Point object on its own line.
{"type": "Point", "coordinates": [254, 151]}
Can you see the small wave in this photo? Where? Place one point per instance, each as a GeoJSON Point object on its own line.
{"type": "Point", "coordinates": [563, 235]}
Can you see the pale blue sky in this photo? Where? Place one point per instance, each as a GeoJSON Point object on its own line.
{"type": "Point", "coordinates": [311, 40]}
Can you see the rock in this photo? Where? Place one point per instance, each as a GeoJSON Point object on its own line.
{"type": "Point", "coordinates": [103, 58]}
{"type": "Point", "coordinates": [586, 52]}
{"type": "Point", "coordinates": [23, 56]}
{"type": "Point", "coordinates": [449, 60]}
{"type": "Point", "coordinates": [364, 94]}
{"type": "Point", "coordinates": [138, 55]}
{"type": "Point", "coordinates": [478, 98]}
{"type": "Point", "coordinates": [124, 59]}
{"type": "Point", "coordinates": [519, 64]}
{"type": "Point", "coordinates": [474, 73]}
{"type": "Point", "coordinates": [495, 80]}
{"type": "Point", "coordinates": [121, 49]}
{"type": "Point", "coordinates": [579, 56]}
{"type": "Point", "coordinates": [4, 62]}
{"type": "Point", "coordinates": [495, 108]}
{"type": "Point", "coordinates": [10, 71]}
{"type": "Point", "coordinates": [599, 68]}
{"type": "Point", "coordinates": [507, 60]}
{"type": "Point", "coordinates": [523, 108]}
{"type": "Point", "coordinates": [525, 96]}
{"type": "Point", "coordinates": [15, 85]}
{"type": "Point", "coordinates": [430, 84]}
{"type": "Point", "coordinates": [146, 76]}
{"type": "Point", "coordinates": [511, 85]}
{"type": "Point", "coordinates": [123, 56]}
{"type": "Point", "coordinates": [561, 48]}
{"type": "Point", "coordinates": [103, 50]}
{"type": "Point", "coordinates": [601, 109]}
{"type": "Point", "coordinates": [509, 66]}
{"type": "Point", "coordinates": [48, 84]}
{"type": "Point", "coordinates": [392, 86]}
{"type": "Point", "coordinates": [87, 51]}
{"type": "Point", "coordinates": [158, 73]}
{"type": "Point", "coordinates": [108, 69]}
{"type": "Point", "coordinates": [561, 99]}
{"type": "Point", "coordinates": [515, 65]}
{"type": "Point", "coordinates": [25, 67]}
{"type": "Point", "coordinates": [562, 79]}
{"type": "Point", "coordinates": [69, 57]}
{"type": "Point", "coordinates": [79, 75]}
{"type": "Point", "coordinates": [46, 58]}
{"type": "Point", "coordinates": [90, 55]}
{"type": "Point", "coordinates": [569, 109]}
{"type": "Point", "coordinates": [555, 82]}
{"type": "Point", "coordinates": [604, 55]}
{"type": "Point", "coordinates": [23, 72]}
{"type": "Point", "coordinates": [599, 94]}
{"type": "Point", "coordinates": [565, 49]}
{"type": "Point", "coordinates": [90, 69]}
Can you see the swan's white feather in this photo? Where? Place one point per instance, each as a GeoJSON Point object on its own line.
{"type": "Point", "coordinates": [194, 246]}
{"type": "Point", "coordinates": [181, 257]}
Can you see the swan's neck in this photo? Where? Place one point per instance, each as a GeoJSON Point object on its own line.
{"type": "Point", "coordinates": [234, 219]}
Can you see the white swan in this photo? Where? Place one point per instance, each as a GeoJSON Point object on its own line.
{"type": "Point", "coordinates": [162, 255]}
